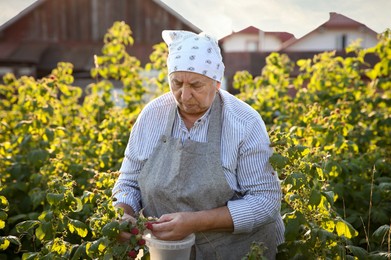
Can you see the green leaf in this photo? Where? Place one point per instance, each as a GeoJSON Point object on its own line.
{"type": "Point", "coordinates": [77, 226]}
{"type": "Point", "coordinates": [315, 198]}
{"type": "Point", "coordinates": [325, 235]}
{"type": "Point", "coordinates": [64, 89]}
{"type": "Point", "coordinates": [3, 215]}
{"type": "Point", "coordinates": [25, 226]}
{"type": "Point", "coordinates": [96, 247]}
{"type": "Point", "coordinates": [46, 216]}
{"type": "Point", "coordinates": [381, 233]}
{"type": "Point", "coordinates": [37, 156]}
{"type": "Point", "coordinates": [328, 225]}
{"type": "Point", "coordinates": [359, 252]}
{"type": "Point", "coordinates": [111, 229]}
{"type": "Point", "coordinates": [294, 221]}
{"type": "Point", "coordinates": [80, 252]}
{"type": "Point", "coordinates": [30, 256]}
{"type": "Point", "coordinates": [44, 231]}
{"type": "Point", "coordinates": [49, 134]}
{"type": "Point", "coordinates": [79, 205]}
{"type": "Point", "coordinates": [14, 240]}
{"type": "Point", "coordinates": [343, 228]}
{"type": "Point", "coordinates": [3, 203]}
{"type": "Point", "coordinates": [303, 150]}
{"type": "Point", "coordinates": [37, 197]}
{"type": "Point", "coordinates": [278, 161]}
{"type": "Point", "coordinates": [4, 243]}
{"type": "Point", "coordinates": [329, 196]}
{"type": "Point", "coordinates": [54, 198]}
{"type": "Point", "coordinates": [59, 246]}
{"type": "Point", "coordinates": [297, 180]}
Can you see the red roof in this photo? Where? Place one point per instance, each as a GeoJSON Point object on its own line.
{"type": "Point", "coordinates": [338, 21]}
{"type": "Point", "coordinates": [248, 30]}
{"type": "Point", "coordinates": [283, 36]}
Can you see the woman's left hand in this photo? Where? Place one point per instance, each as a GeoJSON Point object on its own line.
{"type": "Point", "coordinates": [177, 226]}
{"type": "Point", "coordinates": [174, 226]}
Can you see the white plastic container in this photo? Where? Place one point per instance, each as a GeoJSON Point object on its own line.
{"type": "Point", "coordinates": [169, 250]}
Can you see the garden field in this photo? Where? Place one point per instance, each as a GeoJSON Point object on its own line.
{"type": "Point", "coordinates": [61, 147]}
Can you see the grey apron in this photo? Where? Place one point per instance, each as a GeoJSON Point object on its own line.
{"type": "Point", "coordinates": [188, 176]}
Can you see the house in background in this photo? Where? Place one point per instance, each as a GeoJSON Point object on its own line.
{"type": "Point", "coordinates": [47, 32]}
{"type": "Point", "coordinates": [335, 34]}
{"type": "Point", "coordinates": [248, 48]}
{"type": "Point", "coordinates": [252, 39]}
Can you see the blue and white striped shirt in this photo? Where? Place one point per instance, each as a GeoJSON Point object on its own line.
{"type": "Point", "coordinates": [245, 152]}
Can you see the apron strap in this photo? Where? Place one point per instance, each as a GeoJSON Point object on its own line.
{"type": "Point", "coordinates": [214, 130]}
{"type": "Point", "coordinates": [170, 122]}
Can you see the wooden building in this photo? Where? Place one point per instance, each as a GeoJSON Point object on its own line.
{"type": "Point", "coordinates": [50, 31]}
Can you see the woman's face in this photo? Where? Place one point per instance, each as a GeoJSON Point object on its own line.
{"type": "Point", "coordinates": [193, 92]}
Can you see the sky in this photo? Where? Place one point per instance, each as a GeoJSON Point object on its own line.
{"type": "Point", "coordinates": [222, 17]}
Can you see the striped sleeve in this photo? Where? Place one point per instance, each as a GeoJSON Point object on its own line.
{"type": "Point", "coordinates": [257, 182]}
{"type": "Point", "coordinates": [126, 189]}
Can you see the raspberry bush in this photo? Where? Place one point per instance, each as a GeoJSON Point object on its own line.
{"type": "Point", "coordinates": [61, 147]}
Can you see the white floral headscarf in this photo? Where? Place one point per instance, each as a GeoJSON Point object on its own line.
{"type": "Point", "coordinates": [192, 52]}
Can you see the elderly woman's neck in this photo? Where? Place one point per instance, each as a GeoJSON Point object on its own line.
{"type": "Point", "coordinates": [190, 119]}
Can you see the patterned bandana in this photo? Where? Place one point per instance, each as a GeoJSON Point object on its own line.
{"type": "Point", "coordinates": [192, 52]}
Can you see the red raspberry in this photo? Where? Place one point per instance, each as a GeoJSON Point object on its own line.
{"type": "Point", "coordinates": [141, 242]}
{"type": "Point", "coordinates": [132, 254]}
{"type": "Point", "coordinates": [134, 231]}
{"type": "Point", "coordinates": [148, 225]}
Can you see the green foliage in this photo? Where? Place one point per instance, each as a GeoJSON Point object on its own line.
{"type": "Point", "coordinates": [158, 83]}
{"type": "Point", "coordinates": [59, 153]}
{"type": "Point", "coordinates": [115, 63]}
{"type": "Point", "coordinates": [256, 252]}
{"type": "Point", "coordinates": [329, 128]}
{"type": "Point", "coordinates": [60, 149]}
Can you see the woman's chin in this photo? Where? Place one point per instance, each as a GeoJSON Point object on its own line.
{"type": "Point", "coordinates": [189, 108]}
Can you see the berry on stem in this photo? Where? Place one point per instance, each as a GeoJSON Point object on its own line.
{"type": "Point", "coordinates": [134, 231]}
{"type": "Point", "coordinates": [141, 242]}
{"type": "Point", "coordinates": [148, 225]}
{"type": "Point", "coordinates": [132, 253]}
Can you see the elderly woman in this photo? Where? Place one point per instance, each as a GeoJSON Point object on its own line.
{"type": "Point", "coordinates": [198, 158]}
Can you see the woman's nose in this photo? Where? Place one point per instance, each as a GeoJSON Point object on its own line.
{"type": "Point", "coordinates": [186, 93]}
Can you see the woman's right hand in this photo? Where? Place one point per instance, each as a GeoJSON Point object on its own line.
{"type": "Point", "coordinates": [123, 236]}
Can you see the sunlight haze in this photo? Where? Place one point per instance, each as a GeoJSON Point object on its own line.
{"type": "Point", "coordinates": [298, 17]}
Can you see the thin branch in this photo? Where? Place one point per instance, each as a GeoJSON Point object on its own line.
{"type": "Point", "coordinates": [370, 203]}
{"type": "Point", "coordinates": [389, 242]}
{"type": "Point", "coordinates": [366, 235]}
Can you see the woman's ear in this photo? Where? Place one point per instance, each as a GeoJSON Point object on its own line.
{"type": "Point", "coordinates": [218, 85]}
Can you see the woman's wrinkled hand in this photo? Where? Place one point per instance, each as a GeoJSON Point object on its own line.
{"type": "Point", "coordinates": [174, 226]}
{"type": "Point", "coordinates": [123, 236]}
